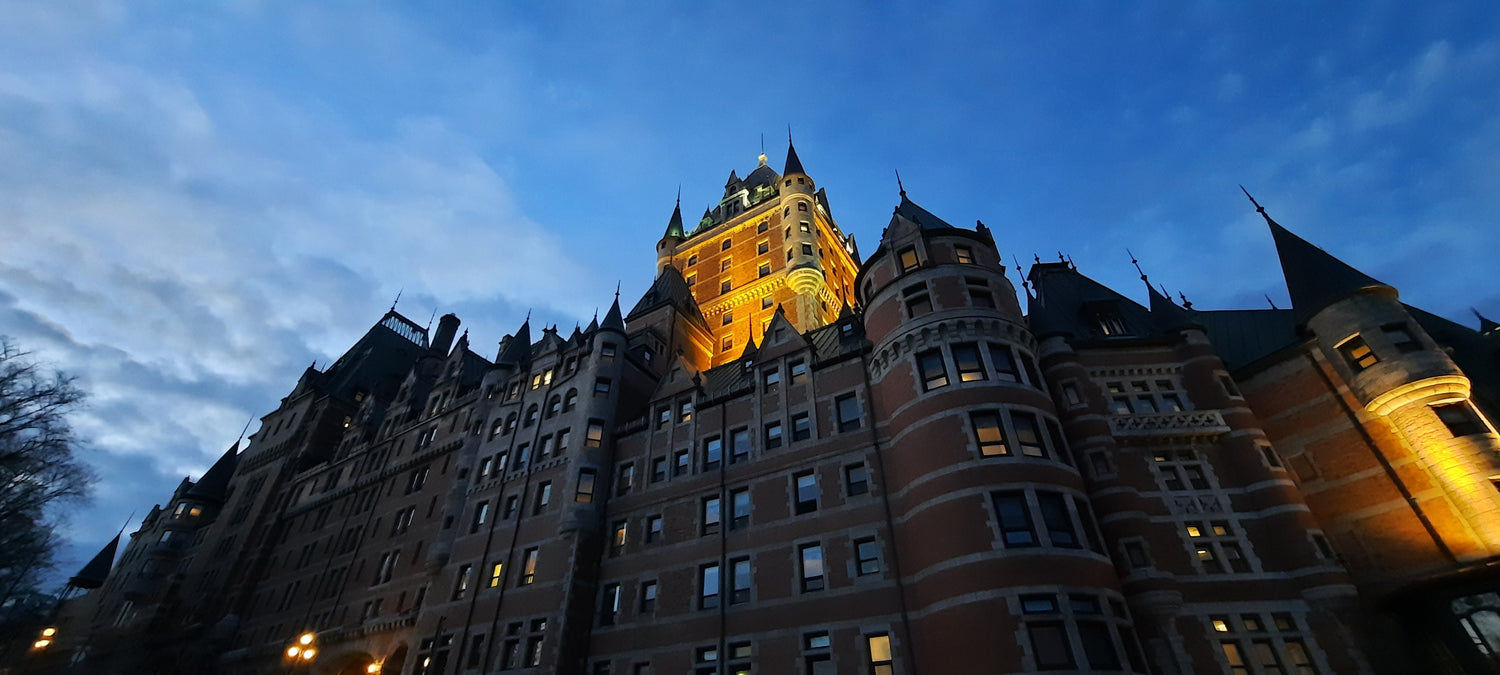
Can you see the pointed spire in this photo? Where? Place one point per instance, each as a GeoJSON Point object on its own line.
{"type": "Point", "coordinates": [214, 481]}
{"type": "Point", "coordinates": [733, 178]}
{"type": "Point", "coordinates": [518, 351]}
{"type": "Point", "coordinates": [612, 319]}
{"type": "Point", "coordinates": [674, 224]}
{"type": "Point", "coordinates": [97, 570]}
{"type": "Point", "coordinates": [1185, 303]}
{"type": "Point", "coordinates": [1314, 278]}
{"type": "Point", "coordinates": [750, 349]}
{"type": "Point", "coordinates": [793, 163]}
{"type": "Point", "coordinates": [1486, 326]}
{"type": "Point", "coordinates": [899, 186]}
{"type": "Point", "coordinates": [398, 298]}
{"type": "Point", "coordinates": [594, 323]}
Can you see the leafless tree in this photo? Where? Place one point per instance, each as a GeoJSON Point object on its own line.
{"type": "Point", "coordinates": [39, 470]}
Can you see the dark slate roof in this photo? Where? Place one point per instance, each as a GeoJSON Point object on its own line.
{"type": "Point", "coordinates": [793, 163]}
{"type": "Point", "coordinates": [762, 175]}
{"type": "Point", "coordinates": [612, 320]}
{"type": "Point", "coordinates": [1486, 325]}
{"type": "Point", "coordinates": [1477, 354]}
{"type": "Point", "coordinates": [1067, 302]}
{"type": "Point", "coordinates": [909, 210]}
{"type": "Point", "coordinates": [1168, 315]}
{"type": "Point", "coordinates": [211, 486]}
{"type": "Point", "coordinates": [1314, 278]}
{"type": "Point", "coordinates": [674, 226]}
{"type": "Point", "coordinates": [1243, 336]}
{"type": "Point", "coordinates": [669, 288]}
{"type": "Point", "coordinates": [518, 350]}
{"type": "Point", "coordinates": [97, 570]}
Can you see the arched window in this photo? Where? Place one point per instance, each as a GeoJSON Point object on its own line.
{"type": "Point", "coordinates": [724, 246]}
{"type": "Point", "coordinates": [554, 406]}
{"type": "Point", "coordinates": [510, 423]}
{"type": "Point", "coordinates": [801, 206]}
{"type": "Point", "coordinates": [571, 401]}
{"type": "Point", "coordinates": [495, 428]}
{"type": "Point", "coordinates": [530, 416]}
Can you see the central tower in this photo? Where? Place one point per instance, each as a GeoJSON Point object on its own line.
{"type": "Point", "coordinates": [771, 241]}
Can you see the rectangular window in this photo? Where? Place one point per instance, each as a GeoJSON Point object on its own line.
{"type": "Point", "coordinates": [585, 492]}
{"type": "Point", "coordinates": [773, 435]}
{"type": "Point", "coordinates": [724, 287]}
{"type": "Point", "coordinates": [966, 359]}
{"type": "Point", "coordinates": [625, 479]}
{"type": "Point", "coordinates": [725, 264]}
{"type": "Point", "coordinates": [979, 293]}
{"type": "Point", "coordinates": [543, 496]}
{"type": "Point", "coordinates": [648, 597]}
{"type": "Point", "coordinates": [931, 370]}
{"type": "Point", "coordinates": [857, 479]}
{"type": "Point", "coordinates": [461, 584]}
{"type": "Point", "coordinates": [617, 540]}
{"type": "Point", "coordinates": [708, 586]}
{"type": "Point", "coordinates": [653, 529]}
{"type": "Point", "coordinates": [963, 254]}
{"type": "Point", "coordinates": [528, 567]}
{"type": "Point", "coordinates": [917, 301]}
{"type": "Point", "coordinates": [739, 450]}
{"type": "Point", "coordinates": [812, 567]}
{"type": "Point", "coordinates": [988, 433]}
{"type": "Point", "coordinates": [801, 427]}
{"type": "Point", "coordinates": [1400, 336]}
{"type": "Point", "coordinates": [881, 662]}
{"type": "Point", "coordinates": [807, 493]}
{"type": "Point", "coordinates": [763, 247]}
{"type": "Point", "coordinates": [1098, 645]}
{"type": "Point", "coordinates": [867, 557]}
{"type": "Point", "coordinates": [798, 368]}
{"type": "Point", "coordinates": [682, 463]}
{"type": "Point", "coordinates": [713, 453]}
{"type": "Point", "coordinates": [1059, 445]}
{"type": "Point", "coordinates": [740, 502]}
{"type": "Point", "coordinates": [595, 436]}
{"type": "Point", "coordinates": [1460, 419]}
{"type": "Point", "coordinates": [846, 408]}
{"type": "Point", "coordinates": [658, 469]}
{"type": "Point", "coordinates": [684, 411]}
{"type": "Point", "coordinates": [909, 259]}
{"type": "Point", "coordinates": [1028, 435]}
{"type": "Point", "coordinates": [1357, 354]}
{"type": "Point", "coordinates": [1049, 643]}
{"type": "Point", "coordinates": [1004, 361]}
{"type": "Point", "coordinates": [609, 605]}
{"type": "Point", "coordinates": [711, 515]}
{"type": "Point", "coordinates": [770, 380]}
{"type": "Point", "coordinates": [481, 515]}
{"type": "Point", "coordinates": [663, 415]}
{"type": "Point", "coordinates": [534, 651]}
{"type": "Point", "coordinates": [764, 270]}
{"type": "Point", "coordinates": [1055, 516]}
{"type": "Point", "coordinates": [741, 590]}
{"type": "Point", "coordinates": [1015, 520]}
{"type": "Point", "coordinates": [497, 574]}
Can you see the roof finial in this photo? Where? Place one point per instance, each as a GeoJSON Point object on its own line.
{"type": "Point", "coordinates": [242, 431]}
{"type": "Point", "coordinates": [1164, 292]}
{"type": "Point", "coordinates": [430, 318]}
{"type": "Point", "coordinates": [1137, 264]}
{"type": "Point", "coordinates": [617, 291]}
{"type": "Point", "coordinates": [1258, 208]}
{"type": "Point", "coordinates": [528, 315]}
{"type": "Point", "coordinates": [899, 186]}
{"type": "Point", "coordinates": [763, 140]}
{"type": "Point", "coordinates": [679, 195]}
{"type": "Point", "coordinates": [398, 298]}
{"type": "Point", "coordinates": [1273, 302]}
{"type": "Point", "coordinates": [1036, 258]}
{"type": "Point", "coordinates": [1061, 258]}
{"type": "Point", "coordinates": [127, 523]}
{"type": "Point", "coordinates": [1185, 302]}
{"type": "Point", "coordinates": [1071, 266]}
{"type": "Point", "coordinates": [789, 133]}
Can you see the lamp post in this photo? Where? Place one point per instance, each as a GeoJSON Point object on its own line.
{"type": "Point", "coordinates": [44, 639]}
{"type": "Point", "coordinates": [301, 651]}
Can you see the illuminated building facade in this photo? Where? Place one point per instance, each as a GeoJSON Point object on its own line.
{"type": "Point", "coordinates": [784, 459]}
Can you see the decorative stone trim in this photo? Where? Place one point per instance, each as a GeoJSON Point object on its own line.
{"type": "Point", "coordinates": [1440, 389]}
{"type": "Point", "coordinates": [1136, 371]}
{"type": "Point", "coordinates": [947, 330]}
{"type": "Point", "coordinates": [1168, 427]}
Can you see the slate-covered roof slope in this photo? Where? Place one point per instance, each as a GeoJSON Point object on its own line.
{"type": "Point", "coordinates": [517, 351]}
{"type": "Point", "coordinates": [829, 343]}
{"type": "Point", "coordinates": [214, 481]}
{"type": "Point", "coordinates": [909, 210]}
{"type": "Point", "coordinates": [669, 288]}
{"type": "Point", "coordinates": [1067, 302]}
{"type": "Point", "coordinates": [1244, 336]}
{"type": "Point", "coordinates": [1477, 355]}
{"type": "Point", "coordinates": [1168, 315]}
{"type": "Point", "coordinates": [97, 570]}
{"type": "Point", "coordinates": [762, 175]}
{"type": "Point", "coordinates": [793, 162]}
{"type": "Point", "coordinates": [1314, 278]}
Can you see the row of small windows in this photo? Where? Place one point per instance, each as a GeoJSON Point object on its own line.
{"type": "Point", "coordinates": [817, 657]}
{"type": "Point", "coordinates": [970, 365]}
{"type": "Point", "coordinates": [1006, 432]}
{"type": "Point", "coordinates": [1076, 631]}
{"type": "Point", "coordinates": [607, 352]}
{"type": "Point", "coordinates": [1251, 644]}
{"type": "Point", "coordinates": [917, 299]}
{"type": "Point", "coordinates": [560, 403]}
{"type": "Point", "coordinates": [807, 498]}
{"type": "Point", "coordinates": [1032, 518]}
{"type": "Point", "coordinates": [1145, 396]}
{"type": "Point", "coordinates": [847, 417]}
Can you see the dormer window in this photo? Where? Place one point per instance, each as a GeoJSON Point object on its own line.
{"type": "Point", "coordinates": [1110, 322]}
{"type": "Point", "coordinates": [909, 260]}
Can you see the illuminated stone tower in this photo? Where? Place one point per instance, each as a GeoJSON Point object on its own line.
{"type": "Point", "coordinates": [771, 241]}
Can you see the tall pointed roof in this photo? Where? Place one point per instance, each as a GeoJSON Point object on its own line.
{"type": "Point", "coordinates": [793, 163]}
{"type": "Point", "coordinates": [674, 226]}
{"type": "Point", "coordinates": [612, 319]}
{"type": "Point", "coordinates": [924, 219]}
{"type": "Point", "coordinates": [1169, 316]}
{"type": "Point", "coordinates": [97, 570]}
{"type": "Point", "coordinates": [669, 288]}
{"type": "Point", "coordinates": [211, 486]}
{"type": "Point", "coordinates": [1314, 278]}
{"type": "Point", "coordinates": [518, 351]}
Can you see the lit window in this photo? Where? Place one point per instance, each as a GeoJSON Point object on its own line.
{"type": "Point", "coordinates": [528, 567]}
{"type": "Point", "coordinates": [708, 584]}
{"type": "Point", "coordinates": [966, 358]}
{"type": "Point", "coordinates": [909, 260]}
{"type": "Point", "coordinates": [618, 540]}
{"type": "Point", "coordinates": [1357, 354]}
{"type": "Point", "coordinates": [963, 254]}
{"type": "Point", "coordinates": [595, 436]}
{"type": "Point", "coordinates": [988, 433]}
{"type": "Point", "coordinates": [497, 574]}
{"type": "Point", "coordinates": [684, 411]}
{"type": "Point", "coordinates": [880, 654]}
{"type": "Point", "coordinates": [586, 484]}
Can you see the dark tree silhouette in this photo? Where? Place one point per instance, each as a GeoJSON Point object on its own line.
{"type": "Point", "coordinates": [39, 471]}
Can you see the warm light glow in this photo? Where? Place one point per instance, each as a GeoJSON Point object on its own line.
{"type": "Point", "coordinates": [308, 654]}
{"type": "Point", "coordinates": [305, 638]}
{"type": "Point", "coordinates": [292, 652]}
{"type": "Point", "coordinates": [41, 644]}
{"type": "Point", "coordinates": [49, 631]}
{"type": "Point", "coordinates": [1193, 531]}
{"type": "Point", "coordinates": [1220, 626]}
{"type": "Point", "coordinates": [373, 668]}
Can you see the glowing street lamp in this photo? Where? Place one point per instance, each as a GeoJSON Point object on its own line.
{"type": "Point", "coordinates": [45, 639]}
{"type": "Point", "coordinates": [304, 649]}
{"type": "Point", "coordinates": [374, 668]}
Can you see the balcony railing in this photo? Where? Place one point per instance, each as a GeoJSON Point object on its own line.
{"type": "Point", "coordinates": [1170, 426]}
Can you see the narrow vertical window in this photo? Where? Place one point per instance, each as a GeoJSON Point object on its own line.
{"type": "Point", "coordinates": [812, 567]}
{"type": "Point", "coordinates": [807, 493]}
{"type": "Point", "coordinates": [595, 436]}
{"type": "Point", "coordinates": [609, 605]}
{"type": "Point", "coordinates": [741, 581]}
{"type": "Point", "coordinates": [1015, 520]}
{"type": "Point", "coordinates": [739, 450]}
{"type": "Point", "coordinates": [619, 537]}
{"type": "Point", "coordinates": [1004, 361]}
{"type": "Point", "coordinates": [966, 359]}
{"type": "Point", "coordinates": [1055, 516]}
{"type": "Point", "coordinates": [1357, 354]}
{"type": "Point", "coordinates": [712, 515]}
{"type": "Point", "coordinates": [713, 453]}
{"type": "Point", "coordinates": [528, 567]}
{"type": "Point", "coordinates": [708, 586]}
{"type": "Point", "coordinates": [867, 557]}
{"type": "Point", "coordinates": [931, 370]}
{"type": "Point", "coordinates": [988, 434]}
{"type": "Point", "coordinates": [773, 435]}
{"type": "Point", "coordinates": [585, 492]}
{"type": "Point", "coordinates": [879, 645]}
{"type": "Point", "coordinates": [857, 479]}
{"type": "Point", "coordinates": [740, 503]}
{"type": "Point", "coordinates": [846, 407]}
{"type": "Point", "coordinates": [1028, 435]}
{"type": "Point", "coordinates": [801, 427]}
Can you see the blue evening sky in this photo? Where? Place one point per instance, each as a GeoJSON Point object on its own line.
{"type": "Point", "coordinates": [199, 199]}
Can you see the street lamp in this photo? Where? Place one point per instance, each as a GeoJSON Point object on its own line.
{"type": "Point", "coordinates": [303, 650]}
{"type": "Point", "coordinates": [45, 639]}
{"type": "Point", "coordinates": [374, 668]}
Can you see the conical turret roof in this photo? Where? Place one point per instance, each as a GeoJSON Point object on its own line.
{"type": "Point", "coordinates": [793, 162]}
{"type": "Point", "coordinates": [211, 486]}
{"type": "Point", "coordinates": [518, 351]}
{"type": "Point", "coordinates": [1314, 278]}
{"type": "Point", "coordinates": [674, 226]}
{"type": "Point", "coordinates": [612, 319]}
{"type": "Point", "coordinates": [97, 570]}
